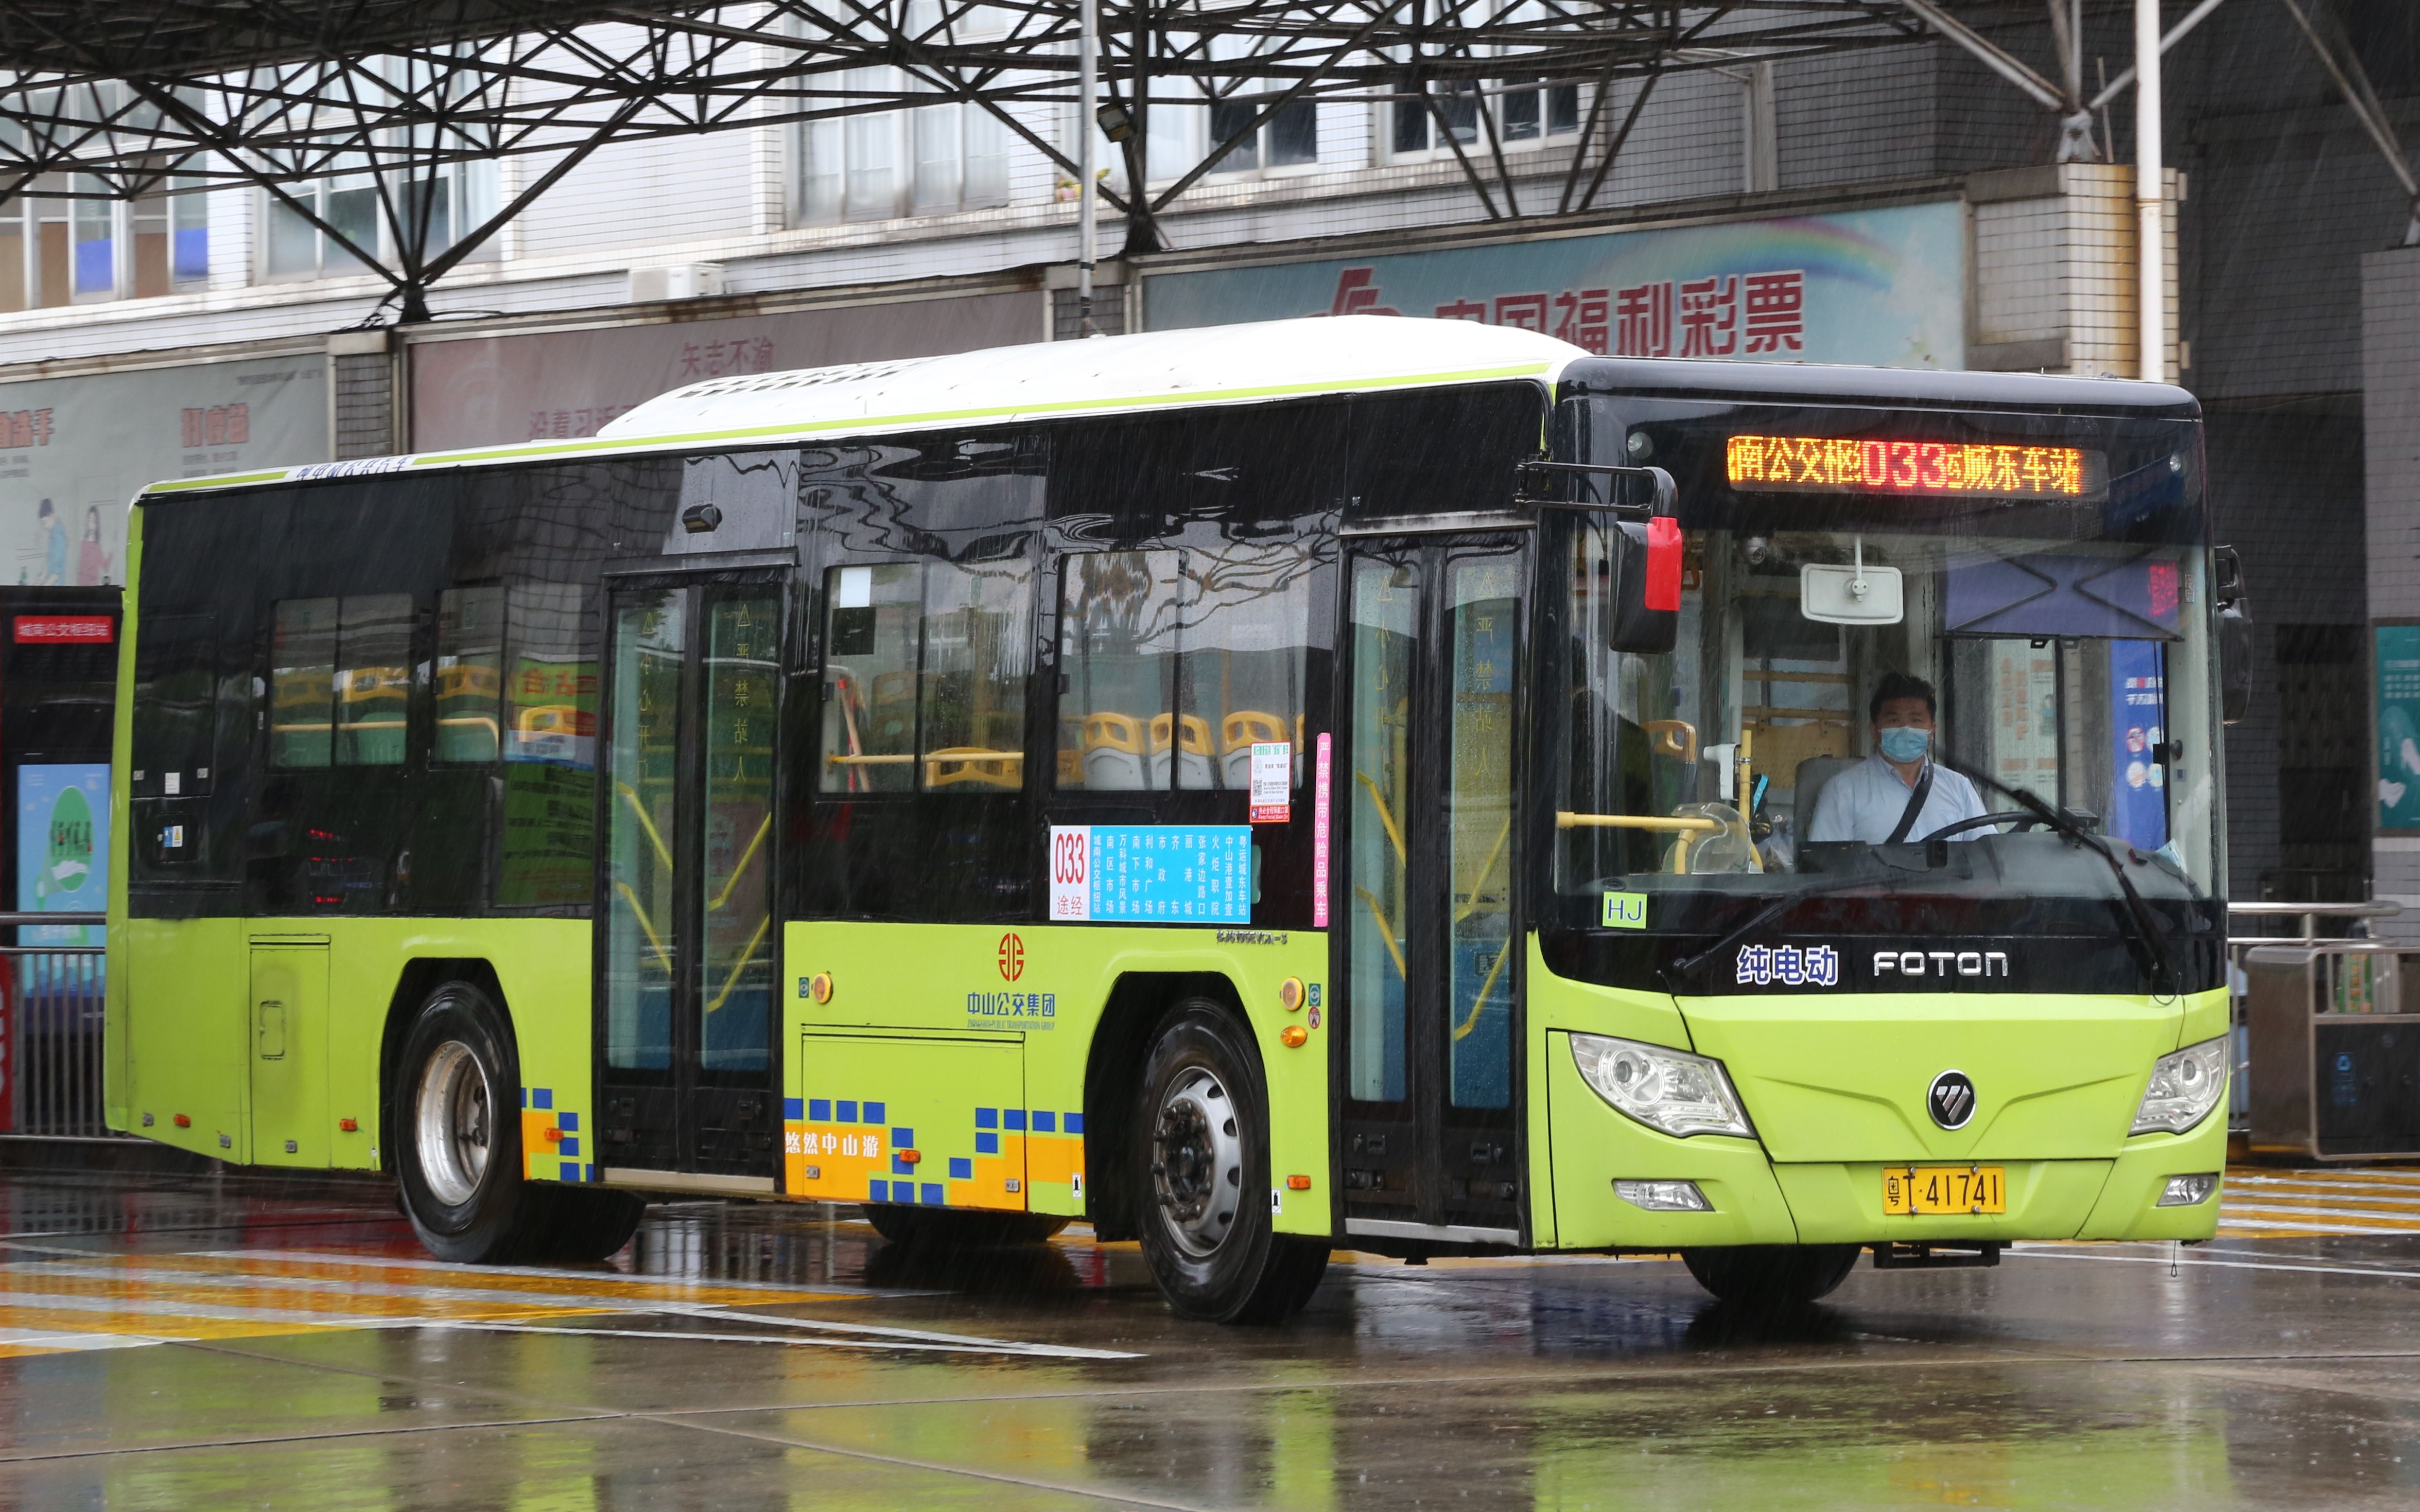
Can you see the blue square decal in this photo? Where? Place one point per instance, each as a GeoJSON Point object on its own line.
{"type": "Point", "coordinates": [961, 1169]}
{"type": "Point", "coordinates": [1011, 1118]}
{"type": "Point", "coordinates": [569, 1122]}
{"type": "Point", "coordinates": [933, 1194]}
{"type": "Point", "coordinates": [902, 1138]}
{"type": "Point", "coordinates": [902, 1165]}
{"type": "Point", "coordinates": [819, 1110]}
{"type": "Point", "coordinates": [845, 1113]}
{"type": "Point", "coordinates": [570, 1167]}
{"type": "Point", "coordinates": [878, 1189]}
{"type": "Point", "coordinates": [542, 1097]}
{"type": "Point", "coordinates": [986, 1144]}
{"type": "Point", "coordinates": [591, 1173]}
{"type": "Point", "coordinates": [568, 1147]}
{"type": "Point", "coordinates": [525, 1097]}
{"type": "Point", "coordinates": [986, 1117]}
{"type": "Point", "coordinates": [793, 1108]}
{"type": "Point", "coordinates": [873, 1111]}
{"type": "Point", "coordinates": [1075, 1122]}
{"type": "Point", "coordinates": [1045, 1123]}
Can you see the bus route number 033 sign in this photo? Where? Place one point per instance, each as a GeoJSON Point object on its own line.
{"type": "Point", "coordinates": [1151, 873]}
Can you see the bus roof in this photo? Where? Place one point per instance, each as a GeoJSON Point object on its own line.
{"type": "Point", "coordinates": [1796, 383]}
{"type": "Point", "coordinates": [1208, 366]}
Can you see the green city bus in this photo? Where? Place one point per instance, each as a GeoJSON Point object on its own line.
{"type": "Point", "coordinates": [1260, 788]}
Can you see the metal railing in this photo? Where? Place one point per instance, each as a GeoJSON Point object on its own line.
{"type": "Point", "coordinates": [2349, 975]}
{"type": "Point", "coordinates": [51, 1047]}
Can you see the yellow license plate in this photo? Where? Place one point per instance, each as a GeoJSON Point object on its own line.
{"type": "Point", "coordinates": [1918, 1190]}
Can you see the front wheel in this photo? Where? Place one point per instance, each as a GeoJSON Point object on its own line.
{"type": "Point", "coordinates": [1771, 1277]}
{"type": "Point", "coordinates": [1202, 1166]}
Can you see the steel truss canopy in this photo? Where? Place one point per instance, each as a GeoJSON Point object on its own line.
{"type": "Point", "coordinates": [124, 98]}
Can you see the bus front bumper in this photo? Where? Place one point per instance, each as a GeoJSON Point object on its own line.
{"type": "Point", "coordinates": [1755, 1200]}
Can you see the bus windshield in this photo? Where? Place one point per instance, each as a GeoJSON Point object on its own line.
{"type": "Point", "coordinates": [2047, 654]}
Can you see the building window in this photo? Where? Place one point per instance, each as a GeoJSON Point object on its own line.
{"type": "Point", "coordinates": [1288, 139]}
{"type": "Point", "coordinates": [455, 200]}
{"type": "Point", "coordinates": [934, 159]}
{"type": "Point", "coordinates": [930, 159]}
{"type": "Point", "coordinates": [58, 251]}
{"type": "Point", "coordinates": [1521, 113]}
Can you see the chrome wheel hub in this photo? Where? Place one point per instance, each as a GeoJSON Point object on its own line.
{"type": "Point", "coordinates": [1197, 1162]}
{"type": "Point", "coordinates": [452, 1123]}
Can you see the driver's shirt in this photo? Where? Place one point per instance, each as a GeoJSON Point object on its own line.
{"type": "Point", "coordinates": [1864, 804]}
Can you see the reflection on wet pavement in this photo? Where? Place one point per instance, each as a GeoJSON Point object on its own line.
{"type": "Point", "coordinates": [202, 1342]}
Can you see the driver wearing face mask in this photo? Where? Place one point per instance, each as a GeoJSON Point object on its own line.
{"type": "Point", "coordinates": [1871, 802]}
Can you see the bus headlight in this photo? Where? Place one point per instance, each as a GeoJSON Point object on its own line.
{"type": "Point", "coordinates": [1664, 1089]}
{"type": "Point", "coordinates": [2184, 1087]}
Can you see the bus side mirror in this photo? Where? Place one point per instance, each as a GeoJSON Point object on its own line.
{"type": "Point", "coordinates": [2234, 635]}
{"type": "Point", "coordinates": [2234, 664]}
{"type": "Point", "coordinates": [1646, 616]}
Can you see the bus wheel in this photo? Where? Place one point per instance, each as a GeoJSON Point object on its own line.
{"type": "Point", "coordinates": [1202, 1166]}
{"type": "Point", "coordinates": [1771, 1278]}
{"type": "Point", "coordinates": [938, 1230]}
{"type": "Point", "coordinates": [458, 1119]}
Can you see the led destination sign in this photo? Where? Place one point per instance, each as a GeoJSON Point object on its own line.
{"type": "Point", "coordinates": [1938, 470]}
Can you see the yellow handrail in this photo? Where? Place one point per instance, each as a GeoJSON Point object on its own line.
{"type": "Point", "coordinates": [754, 940]}
{"type": "Point", "coordinates": [1485, 867]}
{"type": "Point", "coordinates": [1394, 832]}
{"type": "Point", "coordinates": [1565, 819]}
{"type": "Point", "coordinates": [639, 910]}
{"type": "Point", "coordinates": [742, 868]}
{"type": "Point", "coordinates": [1385, 929]}
{"type": "Point", "coordinates": [1485, 988]}
{"type": "Point", "coordinates": [663, 852]}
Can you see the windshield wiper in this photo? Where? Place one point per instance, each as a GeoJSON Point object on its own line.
{"type": "Point", "coordinates": [2145, 924]}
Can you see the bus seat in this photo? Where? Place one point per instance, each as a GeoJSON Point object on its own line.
{"type": "Point", "coordinates": [953, 766]}
{"type": "Point", "coordinates": [1239, 732]}
{"type": "Point", "coordinates": [1191, 757]}
{"type": "Point", "coordinates": [1813, 775]}
{"type": "Point", "coordinates": [1113, 753]}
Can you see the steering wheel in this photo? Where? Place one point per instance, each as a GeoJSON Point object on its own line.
{"type": "Point", "coordinates": [2017, 817]}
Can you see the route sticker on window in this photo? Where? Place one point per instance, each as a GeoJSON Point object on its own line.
{"type": "Point", "coordinates": [1151, 874]}
{"type": "Point", "coordinates": [1625, 910]}
{"type": "Point", "coordinates": [1272, 782]}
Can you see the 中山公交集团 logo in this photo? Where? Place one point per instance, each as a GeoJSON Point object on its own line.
{"type": "Point", "coordinates": [1951, 1100]}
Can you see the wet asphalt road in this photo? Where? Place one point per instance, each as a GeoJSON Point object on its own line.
{"type": "Point", "coordinates": [194, 1342]}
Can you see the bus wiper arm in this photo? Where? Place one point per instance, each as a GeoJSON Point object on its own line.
{"type": "Point", "coordinates": [2137, 913]}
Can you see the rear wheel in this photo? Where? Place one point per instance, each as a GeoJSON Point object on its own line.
{"type": "Point", "coordinates": [1201, 1165]}
{"type": "Point", "coordinates": [1771, 1278]}
{"type": "Point", "coordinates": [456, 1101]}
{"type": "Point", "coordinates": [949, 1228]}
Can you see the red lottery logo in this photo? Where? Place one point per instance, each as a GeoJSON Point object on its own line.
{"type": "Point", "coordinates": [1012, 958]}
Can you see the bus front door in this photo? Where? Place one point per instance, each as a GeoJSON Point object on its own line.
{"type": "Point", "coordinates": [686, 1062]}
{"type": "Point", "coordinates": [1426, 954]}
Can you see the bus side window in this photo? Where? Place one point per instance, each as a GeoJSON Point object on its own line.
{"type": "Point", "coordinates": [549, 838]}
{"type": "Point", "coordinates": [1174, 664]}
{"type": "Point", "coordinates": [176, 706]}
{"type": "Point", "coordinates": [373, 682]}
{"type": "Point", "coordinates": [470, 674]}
{"type": "Point", "coordinates": [976, 656]}
{"type": "Point", "coordinates": [871, 624]}
{"type": "Point", "coordinates": [1117, 646]}
{"type": "Point", "coordinates": [350, 712]}
{"type": "Point", "coordinates": [302, 683]}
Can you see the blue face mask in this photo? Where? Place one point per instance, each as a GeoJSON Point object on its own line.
{"type": "Point", "coordinates": [1903, 744]}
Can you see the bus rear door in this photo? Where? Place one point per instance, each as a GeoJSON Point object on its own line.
{"type": "Point", "coordinates": [1427, 950]}
{"type": "Point", "coordinates": [686, 942]}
